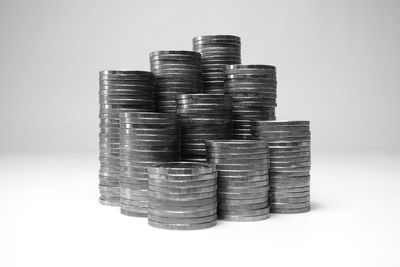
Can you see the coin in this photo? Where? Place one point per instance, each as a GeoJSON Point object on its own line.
{"type": "Point", "coordinates": [182, 226]}
{"type": "Point", "coordinates": [133, 213]}
{"type": "Point", "coordinates": [238, 218]}
{"type": "Point", "coordinates": [290, 210]}
{"type": "Point", "coordinates": [104, 201]}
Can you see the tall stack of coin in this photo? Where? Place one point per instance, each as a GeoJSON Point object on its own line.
{"type": "Point", "coordinates": [243, 185]}
{"type": "Point", "coordinates": [290, 163]}
{"type": "Point", "coordinates": [120, 90]}
{"type": "Point", "coordinates": [203, 117]}
{"type": "Point", "coordinates": [146, 138]}
{"type": "Point", "coordinates": [216, 52]}
{"type": "Point", "coordinates": [182, 195]}
{"type": "Point", "coordinates": [253, 92]}
{"type": "Point", "coordinates": [177, 72]}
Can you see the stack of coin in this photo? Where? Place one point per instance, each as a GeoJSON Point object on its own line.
{"type": "Point", "coordinates": [290, 163]}
{"type": "Point", "coordinates": [253, 92]}
{"type": "Point", "coordinates": [182, 195]}
{"type": "Point", "coordinates": [177, 72]}
{"type": "Point", "coordinates": [243, 185]}
{"type": "Point", "coordinates": [146, 138]}
{"type": "Point", "coordinates": [120, 90]}
{"type": "Point", "coordinates": [216, 52]}
{"type": "Point", "coordinates": [203, 117]}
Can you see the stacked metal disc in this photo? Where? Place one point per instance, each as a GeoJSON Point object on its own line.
{"type": "Point", "coordinates": [253, 92]}
{"type": "Point", "coordinates": [182, 195]}
{"type": "Point", "coordinates": [290, 163]}
{"type": "Point", "coordinates": [203, 117]}
{"type": "Point", "coordinates": [177, 72]}
{"type": "Point", "coordinates": [120, 90]}
{"type": "Point", "coordinates": [146, 138]}
{"type": "Point", "coordinates": [243, 185]}
{"type": "Point", "coordinates": [216, 52]}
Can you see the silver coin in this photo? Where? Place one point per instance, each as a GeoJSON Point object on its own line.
{"type": "Point", "coordinates": [138, 209]}
{"type": "Point", "coordinates": [109, 203]}
{"type": "Point", "coordinates": [180, 214]}
{"type": "Point", "coordinates": [236, 218]}
{"type": "Point", "coordinates": [224, 173]}
{"type": "Point", "coordinates": [242, 179]}
{"type": "Point", "coordinates": [182, 203]}
{"type": "Point", "coordinates": [187, 208]}
{"type": "Point", "coordinates": [180, 190]}
{"type": "Point", "coordinates": [226, 201]}
{"type": "Point", "coordinates": [191, 196]}
{"type": "Point", "coordinates": [136, 203]}
{"type": "Point", "coordinates": [182, 168]}
{"type": "Point", "coordinates": [170, 220]}
{"type": "Point", "coordinates": [235, 184]}
{"type": "Point", "coordinates": [183, 177]}
{"type": "Point", "coordinates": [277, 194]}
{"type": "Point", "coordinates": [239, 190]}
{"type": "Point", "coordinates": [229, 195]}
{"type": "Point", "coordinates": [246, 213]}
{"type": "Point", "coordinates": [182, 184]}
{"type": "Point", "coordinates": [289, 200]}
{"type": "Point", "coordinates": [241, 207]}
{"type": "Point", "coordinates": [133, 213]}
{"type": "Point", "coordinates": [291, 211]}
{"type": "Point", "coordinates": [180, 226]}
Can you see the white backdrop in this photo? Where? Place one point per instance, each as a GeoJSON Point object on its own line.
{"type": "Point", "coordinates": [337, 62]}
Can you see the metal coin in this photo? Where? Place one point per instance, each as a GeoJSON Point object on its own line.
{"type": "Point", "coordinates": [222, 207]}
{"type": "Point", "coordinates": [195, 220]}
{"type": "Point", "coordinates": [183, 204]}
{"type": "Point", "coordinates": [182, 168]}
{"type": "Point", "coordinates": [290, 211]}
{"type": "Point", "coordinates": [180, 214]}
{"type": "Point", "coordinates": [236, 218]}
{"type": "Point", "coordinates": [180, 226]}
{"type": "Point", "coordinates": [133, 213]}
{"type": "Point", "coordinates": [180, 190]}
{"type": "Point", "coordinates": [109, 203]}
{"type": "Point", "coordinates": [226, 201]}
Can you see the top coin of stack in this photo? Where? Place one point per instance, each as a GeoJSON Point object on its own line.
{"type": "Point", "coordinates": [290, 161]}
{"type": "Point", "coordinates": [182, 195]}
{"type": "Point", "coordinates": [253, 92]}
{"type": "Point", "coordinates": [216, 52]}
{"type": "Point", "coordinates": [177, 72]}
{"type": "Point", "coordinates": [120, 90]}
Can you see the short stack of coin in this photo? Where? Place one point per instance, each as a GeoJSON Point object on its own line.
{"type": "Point", "coordinates": [216, 52]}
{"type": "Point", "coordinates": [177, 72]}
{"type": "Point", "coordinates": [203, 117]}
{"type": "Point", "coordinates": [290, 163]}
{"type": "Point", "coordinates": [253, 92]}
{"type": "Point", "coordinates": [182, 195]}
{"type": "Point", "coordinates": [120, 90]}
{"type": "Point", "coordinates": [146, 138]}
{"type": "Point", "coordinates": [243, 184]}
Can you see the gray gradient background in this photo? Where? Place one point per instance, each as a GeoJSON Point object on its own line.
{"type": "Point", "coordinates": [338, 62]}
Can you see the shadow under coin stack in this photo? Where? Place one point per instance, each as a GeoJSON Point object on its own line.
{"type": "Point", "coordinates": [290, 163]}
{"type": "Point", "coordinates": [120, 90]}
{"type": "Point", "coordinates": [203, 117]}
{"type": "Point", "coordinates": [182, 195]}
{"type": "Point", "coordinates": [243, 185]}
{"type": "Point", "coordinates": [177, 72]}
{"type": "Point", "coordinates": [146, 138]}
{"type": "Point", "coordinates": [216, 52]}
{"type": "Point", "coordinates": [253, 92]}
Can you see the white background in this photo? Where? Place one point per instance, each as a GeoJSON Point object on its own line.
{"type": "Point", "coordinates": [338, 66]}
